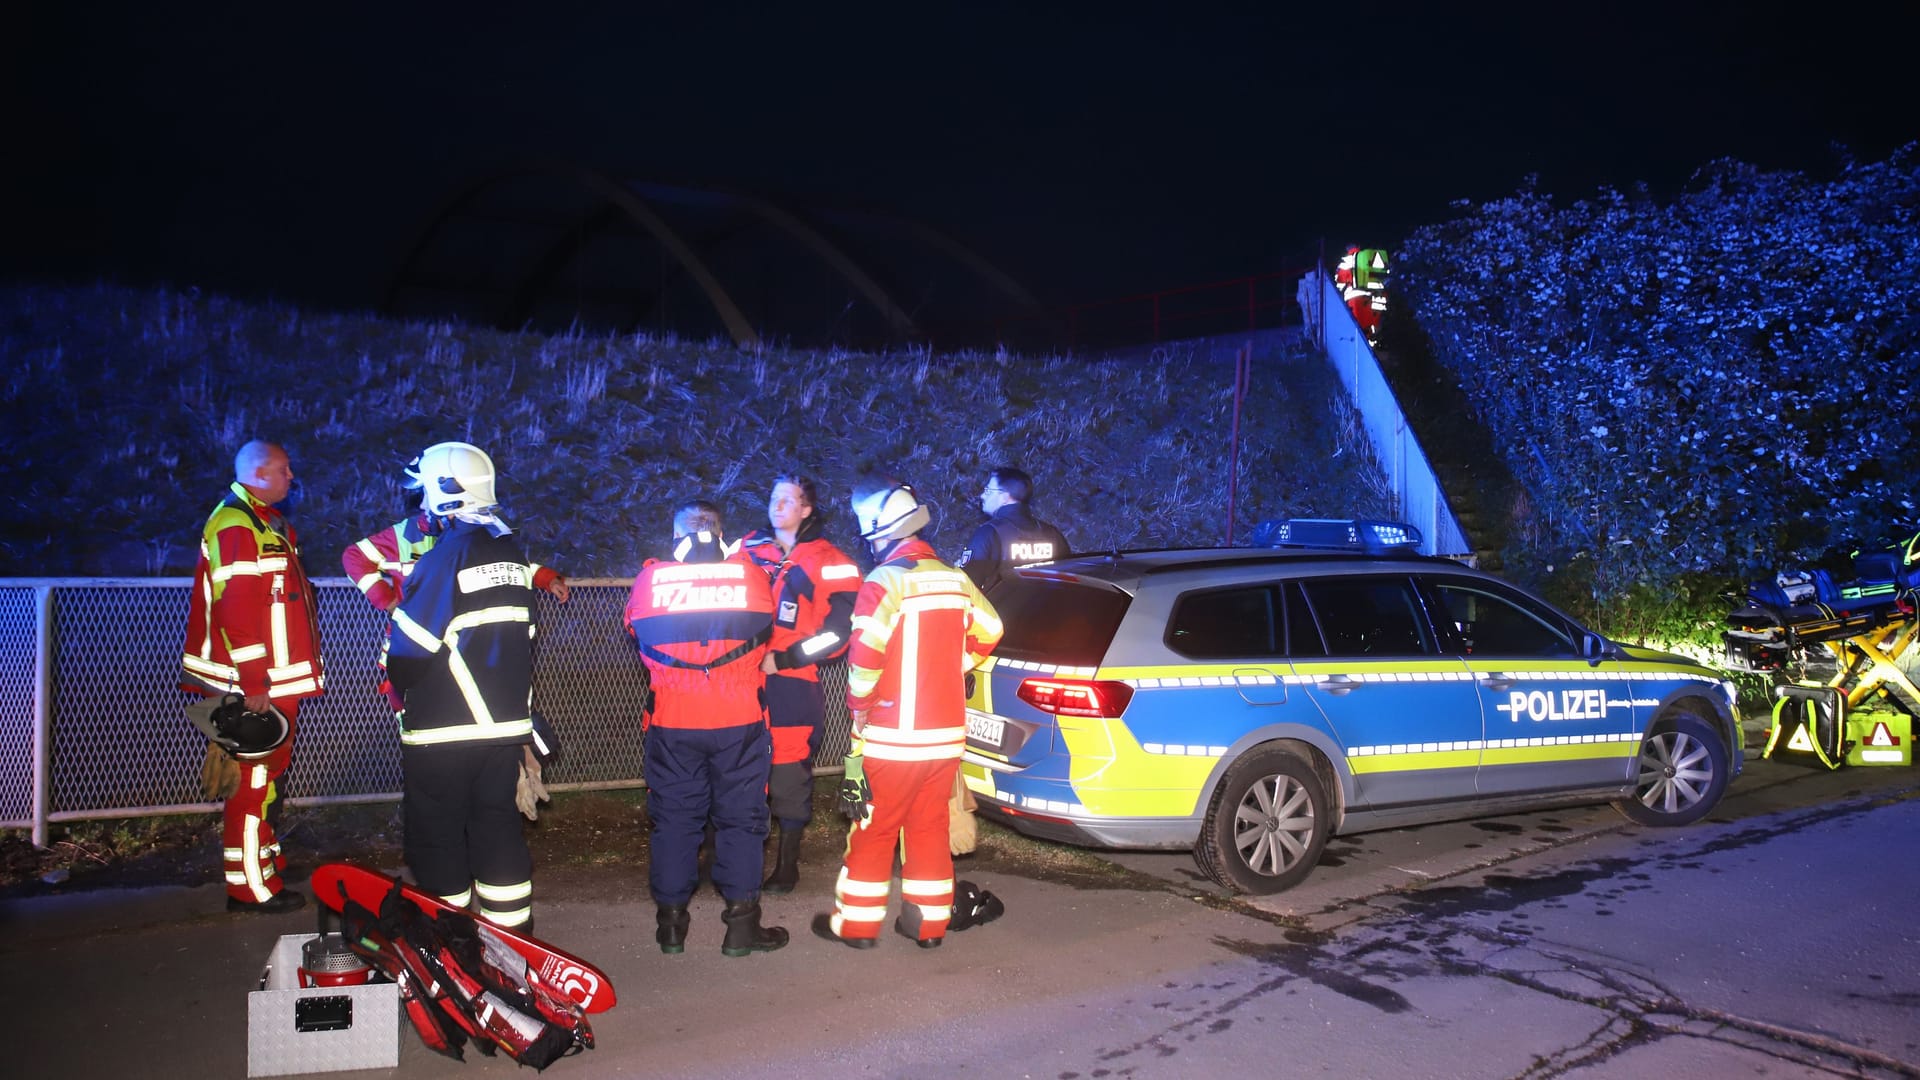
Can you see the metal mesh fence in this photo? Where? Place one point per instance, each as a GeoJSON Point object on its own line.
{"type": "Point", "coordinates": [119, 743]}
{"type": "Point", "coordinates": [18, 667]}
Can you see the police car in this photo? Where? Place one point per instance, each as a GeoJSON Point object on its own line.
{"type": "Point", "coordinates": [1248, 703]}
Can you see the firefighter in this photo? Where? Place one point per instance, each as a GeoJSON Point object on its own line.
{"type": "Point", "coordinates": [462, 662]}
{"type": "Point", "coordinates": [251, 630]}
{"type": "Point", "coordinates": [378, 565]}
{"type": "Point", "coordinates": [1360, 305]}
{"type": "Point", "coordinates": [813, 588]}
{"type": "Point", "coordinates": [919, 627]}
{"type": "Point", "coordinates": [702, 622]}
{"type": "Point", "coordinates": [1011, 536]}
{"type": "Point", "coordinates": [1370, 273]}
{"type": "Point", "coordinates": [1343, 272]}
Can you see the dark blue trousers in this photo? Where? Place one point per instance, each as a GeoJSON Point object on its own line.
{"type": "Point", "coordinates": [694, 775]}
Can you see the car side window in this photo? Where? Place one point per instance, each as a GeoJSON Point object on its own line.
{"type": "Point", "coordinates": [1370, 616]}
{"type": "Point", "coordinates": [1492, 625]}
{"type": "Point", "coordinates": [1225, 623]}
{"type": "Point", "coordinates": [1303, 636]}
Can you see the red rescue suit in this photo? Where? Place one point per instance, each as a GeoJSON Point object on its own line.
{"type": "Point", "coordinates": [919, 626]}
{"type": "Point", "coordinates": [702, 629]}
{"type": "Point", "coordinates": [251, 628]}
{"type": "Point", "coordinates": [813, 591]}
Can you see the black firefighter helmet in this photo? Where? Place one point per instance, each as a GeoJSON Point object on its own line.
{"type": "Point", "coordinates": [245, 734]}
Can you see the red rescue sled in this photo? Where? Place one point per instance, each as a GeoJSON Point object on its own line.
{"type": "Point", "coordinates": [574, 978]}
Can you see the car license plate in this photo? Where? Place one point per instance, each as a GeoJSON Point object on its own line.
{"type": "Point", "coordinates": [986, 730]}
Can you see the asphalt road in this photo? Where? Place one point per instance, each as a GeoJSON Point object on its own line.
{"type": "Point", "coordinates": [1775, 938]}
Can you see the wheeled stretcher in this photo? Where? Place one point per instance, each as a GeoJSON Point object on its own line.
{"type": "Point", "coordinates": [1866, 629]}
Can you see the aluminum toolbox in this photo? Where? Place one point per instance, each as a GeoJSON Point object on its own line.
{"type": "Point", "coordinates": [324, 1029]}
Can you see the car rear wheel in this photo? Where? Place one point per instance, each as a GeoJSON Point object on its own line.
{"type": "Point", "coordinates": [1266, 824]}
{"type": "Point", "coordinates": [1683, 773]}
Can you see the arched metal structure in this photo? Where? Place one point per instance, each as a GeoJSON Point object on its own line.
{"type": "Point", "coordinates": [691, 226]}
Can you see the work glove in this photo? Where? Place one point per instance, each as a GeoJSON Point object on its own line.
{"type": "Point", "coordinates": [963, 833]}
{"type": "Point", "coordinates": [219, 773]}
{"type": "Point", "coordinates": [529, 792]}
{"type": "Point", "coordinates": [856, 797]}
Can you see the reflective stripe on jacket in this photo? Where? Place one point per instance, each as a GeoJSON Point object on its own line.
{"type": "Point", "coordinates": [919, 626]}
{"type": "Point", "coordinates": [251, 620]}
{"type": "Point", "coordinates": [813, 591]}
{"type": "Point", "coordinates": [462, 642]}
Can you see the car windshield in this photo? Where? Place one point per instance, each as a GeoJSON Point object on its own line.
{"type": "Point", "coordinates": [1057, 622]}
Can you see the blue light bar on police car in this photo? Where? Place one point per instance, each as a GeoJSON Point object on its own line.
{"type": "Point", "coordinates": [1336, 534]}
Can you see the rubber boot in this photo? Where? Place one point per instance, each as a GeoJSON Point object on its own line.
{"type": "Point", "coordinates": [672, 932]}
{"type": "Point", "coordinates": [786, 871]}
{"type": "Point", "coordinates": [907, 925]}
{"type": "Point", "coordinates": [744, 932]}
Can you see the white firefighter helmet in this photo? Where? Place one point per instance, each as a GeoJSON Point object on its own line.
{"type": "Point", "coordinates": [888, 514]}
{"type": "Point", "coordinates": [455, 477]}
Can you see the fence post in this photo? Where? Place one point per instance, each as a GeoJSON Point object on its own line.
{"type": "Point", "coordinates": [1242, 369]}
{"type": "Point", "coordinates": [42, 707]}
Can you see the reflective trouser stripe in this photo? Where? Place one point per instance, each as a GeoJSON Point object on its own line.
{"type": "Point", "coordinates": [252, 877]}
{"type": "Point", "coordinates": [910, 816]}
{"type": "Point", "coordinates": [503, 894]}
{"type": "Point", "coordinates": [505, 905]}
{"type": "Point", "coordinates": [249, 848]}
{"type": "Point", "coordinates": [507, 918]}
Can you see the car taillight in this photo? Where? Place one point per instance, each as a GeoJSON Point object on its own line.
{"type": "Point", "coordinates": [1076, 697]}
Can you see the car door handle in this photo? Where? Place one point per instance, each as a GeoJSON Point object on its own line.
{"type": "Point", "coordinates": [1339, 684]}
{"type": "Point", "coordinates": [1498, 682]}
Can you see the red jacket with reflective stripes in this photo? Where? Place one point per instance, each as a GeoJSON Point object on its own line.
{"type": "Point", "coordinates": [251, 622]}
{"type": "Point", "coordinates": [919, 626]}
{"type": "Point", "coordinates": [702, 629]}
{"type": "Point", "coordinates": [813, 592]}
{"type": "Point", "coordinates": [379, 564]}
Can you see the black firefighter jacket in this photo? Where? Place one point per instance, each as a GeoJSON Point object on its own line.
{"type": "Point", "coordinates": [462, 643]}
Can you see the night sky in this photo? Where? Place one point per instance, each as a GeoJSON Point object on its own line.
{"type": "Point", "coordinates": [291, 153]}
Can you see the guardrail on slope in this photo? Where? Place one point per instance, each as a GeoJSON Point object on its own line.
{"type": "Point", "coordinates": [1418, 497]}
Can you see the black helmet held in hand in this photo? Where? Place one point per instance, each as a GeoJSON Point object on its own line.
{"type": "Point", "coordinates": [245, 734]}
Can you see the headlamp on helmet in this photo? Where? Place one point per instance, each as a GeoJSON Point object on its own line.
{"type": "Point", "coordinates": [411, 481]}
{"type": "Point", "coordinates": [705, 546]}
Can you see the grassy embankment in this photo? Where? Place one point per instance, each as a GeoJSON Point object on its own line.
{"type": "Point", "coordinates": [126, 407]}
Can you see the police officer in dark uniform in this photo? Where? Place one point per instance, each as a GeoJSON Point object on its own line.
{"type": "Point", "coordinates": [1011, 536]}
